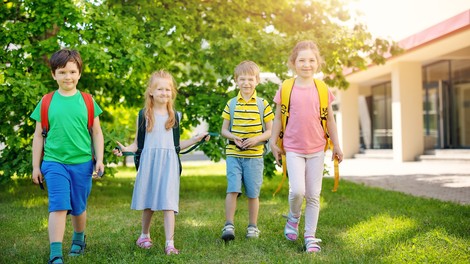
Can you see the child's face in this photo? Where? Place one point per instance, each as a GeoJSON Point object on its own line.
{"type": "Point", "coordinates": [67, 77]}
{"type": "Point", "coordinates": [247, 84]}
{"type": "Point", "coordinates": [162, 92]}
{"type": "Point", "coordinates": [306, 63]}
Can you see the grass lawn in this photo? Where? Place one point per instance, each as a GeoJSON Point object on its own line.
{"type": "Point", "coordinates": [357, 224]}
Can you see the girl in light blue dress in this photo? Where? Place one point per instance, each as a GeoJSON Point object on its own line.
{"type": "Point", "coordinates": [158, 177]}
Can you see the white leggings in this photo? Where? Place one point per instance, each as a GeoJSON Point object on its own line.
{"type": "Point", "coordinates": [305, 180]}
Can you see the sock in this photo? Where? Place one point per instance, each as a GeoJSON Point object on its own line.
{"type": "Point", "coordinates": [77, 236]}
{"type": "Point", "coordinates": [145, 235]}
{"type": "Point", "coordinates": [228, 223]}
{"type": "Point", "coordinates": [56, 250]}
{"type": "Point", "coordinates": [169, 243]}
{"type": "Point", "coordinates": [253, 225]}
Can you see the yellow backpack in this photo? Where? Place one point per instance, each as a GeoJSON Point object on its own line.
{"type": "Point", "coordinates": [286, 90]}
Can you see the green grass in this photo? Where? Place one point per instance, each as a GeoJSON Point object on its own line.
{"type": "Point", "coordinates": [358, 224]}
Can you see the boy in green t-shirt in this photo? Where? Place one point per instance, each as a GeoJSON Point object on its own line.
{"type": "Point", "coordinates": [244, 152]}
{"type": "Point", "coordinates": [67, 164]}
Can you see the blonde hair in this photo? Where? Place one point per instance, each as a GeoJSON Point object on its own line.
{"type": "Point", "coordinates": [247, 67]}
{"type": "Point", "coordinates": [304, 45]}
{"type": "Point", "coordinates": [149, 101]}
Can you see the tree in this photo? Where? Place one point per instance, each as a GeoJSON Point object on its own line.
{"type": "Point", "coordinates": [200, 42]}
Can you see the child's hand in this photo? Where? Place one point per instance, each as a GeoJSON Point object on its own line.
{"type": "Point", "coordinates": [99, 170]}
{"type": "Point", "coordinates": [118, 150]}
{"type": "Point", "coordinates": [277, 152]}
{"type": "Point", "coordinates": [37, 176]}
{"type": "Point", "coordinates": [239, 142]}
{"type": "Point", "coordinates": [198, 137]}
{"type": "Point", "coordinates": [337, 153]}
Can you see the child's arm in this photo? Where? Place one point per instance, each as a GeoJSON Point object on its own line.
{"type": "Point", "coordinates": [228, 135]}
{"type": "Point", "coordinates": [333, 132]}
{"type": "Point", "coordinates": [189, 142]}
{"type": "Point", "coordinates": [98, 144]}
{"type": "Point", "coordinates": [276, 130]}
{"type": "Point", "coordinates": [38, 145]}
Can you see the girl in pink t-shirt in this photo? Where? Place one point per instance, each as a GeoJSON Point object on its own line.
{"type": "Point", "coordinates": [304, 143]}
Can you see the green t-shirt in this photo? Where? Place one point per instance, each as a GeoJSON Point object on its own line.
{"type": "Point", "coordinates": [68, 140]}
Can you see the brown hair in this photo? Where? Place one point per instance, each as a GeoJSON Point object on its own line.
{"type": "Point", "coordinates": [149, 102]}
{"type": "Point", "coordinates": [303, 45]}
{"type": "Point", "coordinates": [247, 67]}
{"type": "Point", "coordinates": [60, 58]}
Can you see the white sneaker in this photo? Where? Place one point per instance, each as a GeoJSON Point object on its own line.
{"type": "Point", "coordinates": [252, 232]}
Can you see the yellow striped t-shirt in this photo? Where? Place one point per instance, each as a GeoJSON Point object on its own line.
{"type": "Point", "coordinates": [247, 124]}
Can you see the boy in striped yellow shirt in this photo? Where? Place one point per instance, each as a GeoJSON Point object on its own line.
{"type": "Point", "coordinates": [245, 149]}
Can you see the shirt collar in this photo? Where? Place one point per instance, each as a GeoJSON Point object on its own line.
{"type": "Point", "coordinates": [240, 98]}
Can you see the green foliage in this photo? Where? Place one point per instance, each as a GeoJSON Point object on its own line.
{"type": "Point", "coordinates": [357, 224]}
{"type": "Point", "coordinates": [123, 42]}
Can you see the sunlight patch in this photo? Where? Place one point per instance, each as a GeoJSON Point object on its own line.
{"type": "Point", "coordinates": [433, 246]}
{"type": "Point", "coordinates": [194, 223]}
{"type": "Point", "coordinates": [34, 202]}
{"type": "Point", "coordinates": [377, 231]}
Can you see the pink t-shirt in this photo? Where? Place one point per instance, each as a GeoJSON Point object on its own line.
{"type": "Point", "coordinates": [304, 133]}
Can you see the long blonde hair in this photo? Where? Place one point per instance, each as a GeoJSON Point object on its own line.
{"type": "Point", "coordinates": [304, 45]}
{"type": "Point", "coordinates": [149, 101]}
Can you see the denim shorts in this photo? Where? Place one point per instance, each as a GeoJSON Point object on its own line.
{"type": "Point", "coordinates": [68, 185]}
{"type": "Point", "coordinates": [247, 172]}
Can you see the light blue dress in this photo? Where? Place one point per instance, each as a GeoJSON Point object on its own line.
{"type": "Point", "coordinates": [158, 180]}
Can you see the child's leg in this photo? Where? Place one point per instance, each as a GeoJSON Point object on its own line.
{"type": "Point", "coordinates": [296, 171]}
{"type": "Point", "coordinates": [57, 226]}
{"type": "Point", "coordinates": [253, 179]}
{"type": "Point", "coordinates": [78, 237]}
{"type": "Point", "coordinates": [169, 224]}
{"type": "Point", "coordinates": [144, 240]}
{"type": "Point", "coordinates": [253, 209]}
{"type": "Point", "coordinates": [313, 182]}
{"type": "Point", "coordinates": [230, 207]}
{"type": "Point", "coordinates": [146, 220]}
{"type": "Point", "coordinates": [79, 222]}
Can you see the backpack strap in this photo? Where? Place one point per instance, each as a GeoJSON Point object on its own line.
{"type": "Point", "coordinates": [231, 105]}
{"type": "Point", "coordinates": [90, 108]}
{"type": "Point", "coordinates": [323, 96]}
{"type": "Point", "coordinates": [286, 90]}
{"type": "Point", "coordinates": [324, 101]}
{"type": "Point", "coordinates": [141, 129]}
{"type": "Point", "coordinates": [176, 132]}
{"type": "Point", "coordinates": [260, 104]}
{"type": "Point", "coordinates": [46, 102]}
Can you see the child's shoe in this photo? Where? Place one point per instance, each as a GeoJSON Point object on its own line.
{"type": "Point", "coordinates": [171, 250]}
{"type": "Point", "coordinates": [228, 232]}
{"type": "Point", "coordinates": [252, 232]}
{"type": "Point", "coordinates": [144, 242]}
{"type": "Point", "coordinates": [78, 247]}
{"type": "Point", "coordinates": [291, 229]}
{"type": "Point", "coordinates": [311, 244]}
{"type": "Point", "coordinates": [56, 260]}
